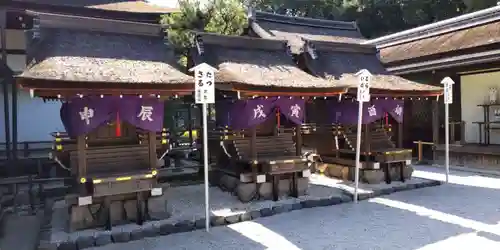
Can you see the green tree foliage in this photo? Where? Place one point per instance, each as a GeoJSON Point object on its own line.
{"type": "Point", "coordinates": [227, 17]}
{"type": "Point", "coordinates": [376, 17]}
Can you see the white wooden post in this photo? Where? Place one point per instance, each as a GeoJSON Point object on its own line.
{"type": "Point", "coordinates": [364, 77]}
{"type": "Point", "coordinates": [448, 99]}
{"type": "Point", "coordinates": [204, 91]}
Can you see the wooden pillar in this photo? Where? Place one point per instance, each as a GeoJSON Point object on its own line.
{"type": "Point", "coordinates": [435, 126]}
{"type": "Point", "coordinates": [400, 134]}
{"type": "Point", "coordinates": [199, 138]}
{"type": "Point", "coordinates": [81, 147]}
{"type": "Point", "coordinates": [462, 132]}
{"type": "Point", "coordinates": [3, 43]}
{"type": "Point", "coordinates": [367, 139]}
{"type": "Point", "coordinates": [152, 149]}
{"type": "Point", "coordinates": [278, 123]}
{"type": "Point", "coordinates": [336, 138]}
{"type": "Point", "coordinates": [298, 140]}
{"type": "Point", "coordinates": [253, 143]}
{"type": "Point", "coordinates": [190, 125]}
{"type": "Point", "coordinates": [14, 120]}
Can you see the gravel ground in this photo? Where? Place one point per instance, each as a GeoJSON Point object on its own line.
{"type": "Point", "coordinates": [461, 215]}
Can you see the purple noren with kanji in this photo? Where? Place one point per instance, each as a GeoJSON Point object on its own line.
{"type": "Point", "coordinates": [243, 114]}
{"type": "Point", "coordinates": [346, 112]}
{"type": "Point", "coordinates": [82, 115]}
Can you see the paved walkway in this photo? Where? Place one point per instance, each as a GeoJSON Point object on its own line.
{"type": "Point", "coordinates": [464, 214]}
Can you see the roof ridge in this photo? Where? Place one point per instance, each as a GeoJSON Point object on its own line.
{"type": "Point", "coordinates": [341, 46]}
{"type": "Point", "coordinates": [445, 26]}
{"type": "Point", "coordinates": [304, 21]}
{"type": "Point", "coordinates": [51, 20]}
{"type": "Point", "coordinates": [242, 42]}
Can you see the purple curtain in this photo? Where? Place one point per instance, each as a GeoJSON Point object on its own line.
{"type": "Point", "coordinates": [250, 113]}
{"type": "Point", "coordinates": [394, 107]}
{"type": "Point", "coordinates": [244, 114]}
{"type": "Point", "coordinates": [82, 115]}
{"type": "Point", "coordinates": [346, 112]}
{"type": "Point", "coordinates": [293, 109]}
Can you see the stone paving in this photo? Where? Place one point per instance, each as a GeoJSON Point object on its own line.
{"type": "Point", "coordinates": [186, 205]}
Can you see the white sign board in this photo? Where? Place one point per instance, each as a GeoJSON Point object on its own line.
{"type": "Point", "coordinates": [204, 87]}
{"type": "Point", "coordinates": [448, 90]}
{"type": "Point", "coordinates": [364, 77]}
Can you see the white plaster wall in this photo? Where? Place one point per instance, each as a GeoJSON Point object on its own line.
{"type": "Point", "coordinates": [15, 40]}
{"type": "Point", "coordinates": [36, 119]}
{"type": "Point", "coordinates": [474, 91]}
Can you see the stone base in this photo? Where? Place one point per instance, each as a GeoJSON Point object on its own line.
{"type": "Point", "coordinates": [365, 175]}
{"type": "Point", "coordinates": [121, 212]}
{"type": "Point", "coordinates": [262, 191]}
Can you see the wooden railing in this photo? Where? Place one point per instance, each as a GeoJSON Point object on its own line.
{"type": "Point", "coordinates": [28, 149]}
{"type": "Point", "coordinates": [457, 130]}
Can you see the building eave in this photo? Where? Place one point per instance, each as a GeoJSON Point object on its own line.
{"type": "Point", "coordinates": [447, 62]}
{"type": "Point", "coordinates": [434, 29]}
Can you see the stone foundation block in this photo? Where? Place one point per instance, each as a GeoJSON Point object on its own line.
{"type": "Point", "coordinates": [103, 239]}
{"type": "Point", "coordinates": [340, 172]}
{"type": "Point", "coordinates": [119, 236]}
{"type": "Point", "coordinates": [246, 191]}
{"type": "Point", "coordinates": [266, 190]}
{"type": "Point", "coordinates": [245, 216]}
{"type": "Point", "coordinates": [116, 211]}
{"type": "Point", "coordinates": [373, 176]}
{"type": "Point", "coordinates": [255, 214]}
{"type": "Point", "coordinates": [67, 246]}
{"type": "Point", "coordinates": [157, 207]}
{"type": "Point", "coordinates": [407, 172]}
{"type": "Point", "coordinates": [217, 221]}
{"type": "Point", "coordinates": [284, 187]}
{"type": "Point", "coordinates": [81, 217]}
{"type": "Point", "coordinates": [302, 186]}
{"type": "Point", "coordinates": [231, 219]}
{"type": "Point", "coordinates": [166, 228]}
{"type": "Point", "coordinates": [228, 183]}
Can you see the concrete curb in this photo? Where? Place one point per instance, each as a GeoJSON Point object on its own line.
{"type": "Point", "coordinates": [166, 228]}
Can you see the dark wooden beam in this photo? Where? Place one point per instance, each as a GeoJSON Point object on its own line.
{"type": "Point", "coordinates": [290, 91]}
{"type": "Point", "coordinates": [152, 149]}
{"type": "Point", "coordinates": [81, 147]}
{"type": "Point", "coordinates": [435, 125]}
{"type": "Point", "coordinates": [30, 83]}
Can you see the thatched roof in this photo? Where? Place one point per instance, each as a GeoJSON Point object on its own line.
{"type": "Point", "coordinates": [295, 29]}
{"type": "Point", "coordinates": [84, 56]}
{"type": "Point", "coordinates": [339, 62]}
{"type": "Point", "coordinates": [135, 6]}
{"type": "Point", "coordinates": [463, 39]}
{"type": "Point", "coordinates": [253, 61]}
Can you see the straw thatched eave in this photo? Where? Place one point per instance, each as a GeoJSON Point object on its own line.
{"type": "Point", "coordinates": [76, 56]}
{"type": "Point", "coordinates": [256, 65]}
